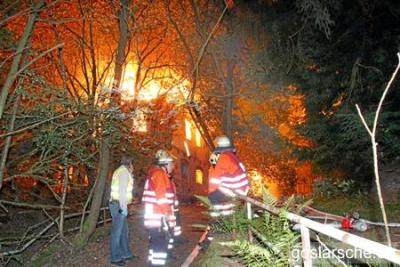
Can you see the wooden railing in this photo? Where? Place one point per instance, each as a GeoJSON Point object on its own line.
{"type": "Point", "coordinates": [366, 245]}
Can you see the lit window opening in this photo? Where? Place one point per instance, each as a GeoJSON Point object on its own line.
{"type": "Point", "coordinates": [199, 176]}
{"type": "Point", "coordinates": [198, 138]}
{"type": "Point", "coordinates": [188, 130]}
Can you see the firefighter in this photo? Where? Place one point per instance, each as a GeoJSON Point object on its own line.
{"type": "Point", "coordinates": [121, 196]}
{"type": "Point", "coordinates": [227, 175]}
{"type": "Point", "coordinates": [158, 198]}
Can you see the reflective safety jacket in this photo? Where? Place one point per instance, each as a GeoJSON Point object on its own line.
{"type": "Point", "coordinates": [177, 228]}
{"type": "Point", "coordinates": [122, 186]}
{"type": "Point", "coordinates": [228, 173]}
{"type": "Point", "coordinates": [158, 197]}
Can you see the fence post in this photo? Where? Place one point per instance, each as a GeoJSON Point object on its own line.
{"type": "Point", "coordinates": [305, 246]}
{"type": "Point", "coordinates": [248, 206]}
{"type": "Point", "coordinates": [249, 217]}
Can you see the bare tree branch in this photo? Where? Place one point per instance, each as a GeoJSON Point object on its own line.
{"type": "Point", "coordinates": [372, 134]}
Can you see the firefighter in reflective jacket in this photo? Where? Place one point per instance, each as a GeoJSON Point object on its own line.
{"type": "Point", "coordinates": [158, 199]}
{"type": "Point", "coordinates": [227, 174]}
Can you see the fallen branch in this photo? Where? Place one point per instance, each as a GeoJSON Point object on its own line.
{"type": "Point", "coordinates": [50, 217]}
{"type": "Point", "coordinates": [3, 207]}
{"type": "Point", "coordinates": [264, 240]}
{"type": "Point", "coordinates": [17, 251]}
{"type": "Point", "coordinates": [40, 234]}
{"type": "Point", "coordinates": [31, 228]}
{"type": "Point", "coordinates": [27, 205]}
{"type": "Point", "coordinates": [16, 240]}
{"type": "Point", "coordinates": [324, 214]}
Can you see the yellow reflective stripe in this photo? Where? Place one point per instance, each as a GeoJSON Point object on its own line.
{"type": "Point", "coordinates": [115, 185]}
{"type": "Point", "coordinates": [129, 189]}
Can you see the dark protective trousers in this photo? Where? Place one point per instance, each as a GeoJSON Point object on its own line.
{"type": "Point", "coordinates": [158, 247]}
{"type": "Point", "coordinates": [221, 205]}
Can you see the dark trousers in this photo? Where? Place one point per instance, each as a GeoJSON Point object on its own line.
{"type": "Point", "coordinates": [119, 240]}
{"type": "Point", "coordinates": [158, 247]}
{"type": "Point", "coordinates": [222, 205]}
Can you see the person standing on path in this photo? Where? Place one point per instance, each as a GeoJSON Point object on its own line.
{"type": "Point", "coordinates": [121, 196]}
{"type": "Point", "coordinates": [158, 199]}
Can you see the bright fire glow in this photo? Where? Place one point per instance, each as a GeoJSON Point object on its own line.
{"type": "Point", "coordinates": [151, 91]}
{"type": "Point", "coordinates": [176, 92]}
{"type": "Point", "coordinates": [258, 181]}
{"type": "Point", "coordinates": [171, 85]}
{"type": "Point", "coordinates": [128, 81]}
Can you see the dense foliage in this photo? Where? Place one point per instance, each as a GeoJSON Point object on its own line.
{"type": "Point", "coordinates": [338, 54]}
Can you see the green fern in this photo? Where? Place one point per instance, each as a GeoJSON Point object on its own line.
{"type": "Point", "coordinates": [273, 240]}
{"type": "Point", "coordinates": [204, 200]}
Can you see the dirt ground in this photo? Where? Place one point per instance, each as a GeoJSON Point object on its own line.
{"type": "Point", "coordinates": [97, 253]}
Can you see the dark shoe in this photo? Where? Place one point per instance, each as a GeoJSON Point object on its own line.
{"type": "Point", "coordinates": [130, 258]}
{"type": "Point", "coordinates": [205, 244]}
{"type": "Point", "coordinates": [171, 256]}
{"type": "Point", "coordinates": [118, 263]}
{"type": "Point", "coordinates": [181, 241]}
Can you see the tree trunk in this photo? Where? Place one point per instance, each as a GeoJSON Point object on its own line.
{"type": "Point", "coordinates": [63, 200]}
{"type": "Point", "coordinates": [228, 101]}
{"type": "Point", "coordinates": [7, 142]}
{"type": "Point", "coordinates": [91, 221]}
{"type": "Point", "coordinates": [105, 150]}
{"type": "Point", "coordinates": [22, 45]}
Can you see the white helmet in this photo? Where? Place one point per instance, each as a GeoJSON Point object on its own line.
{"type": "Point", "coordinates": [223, 143]}
{"type": "Point", "coordinates": [163, 157]}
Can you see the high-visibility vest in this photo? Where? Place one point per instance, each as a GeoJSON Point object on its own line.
{"type": "Point", "coordinates": [122, 170]}
{"type": "Point", "coordinates": [158, 197]}
{"type": "Point", "coordinates": [228, 173]}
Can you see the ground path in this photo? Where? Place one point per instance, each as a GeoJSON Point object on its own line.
{"type": "Point", "coordinates": [97, 253]}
